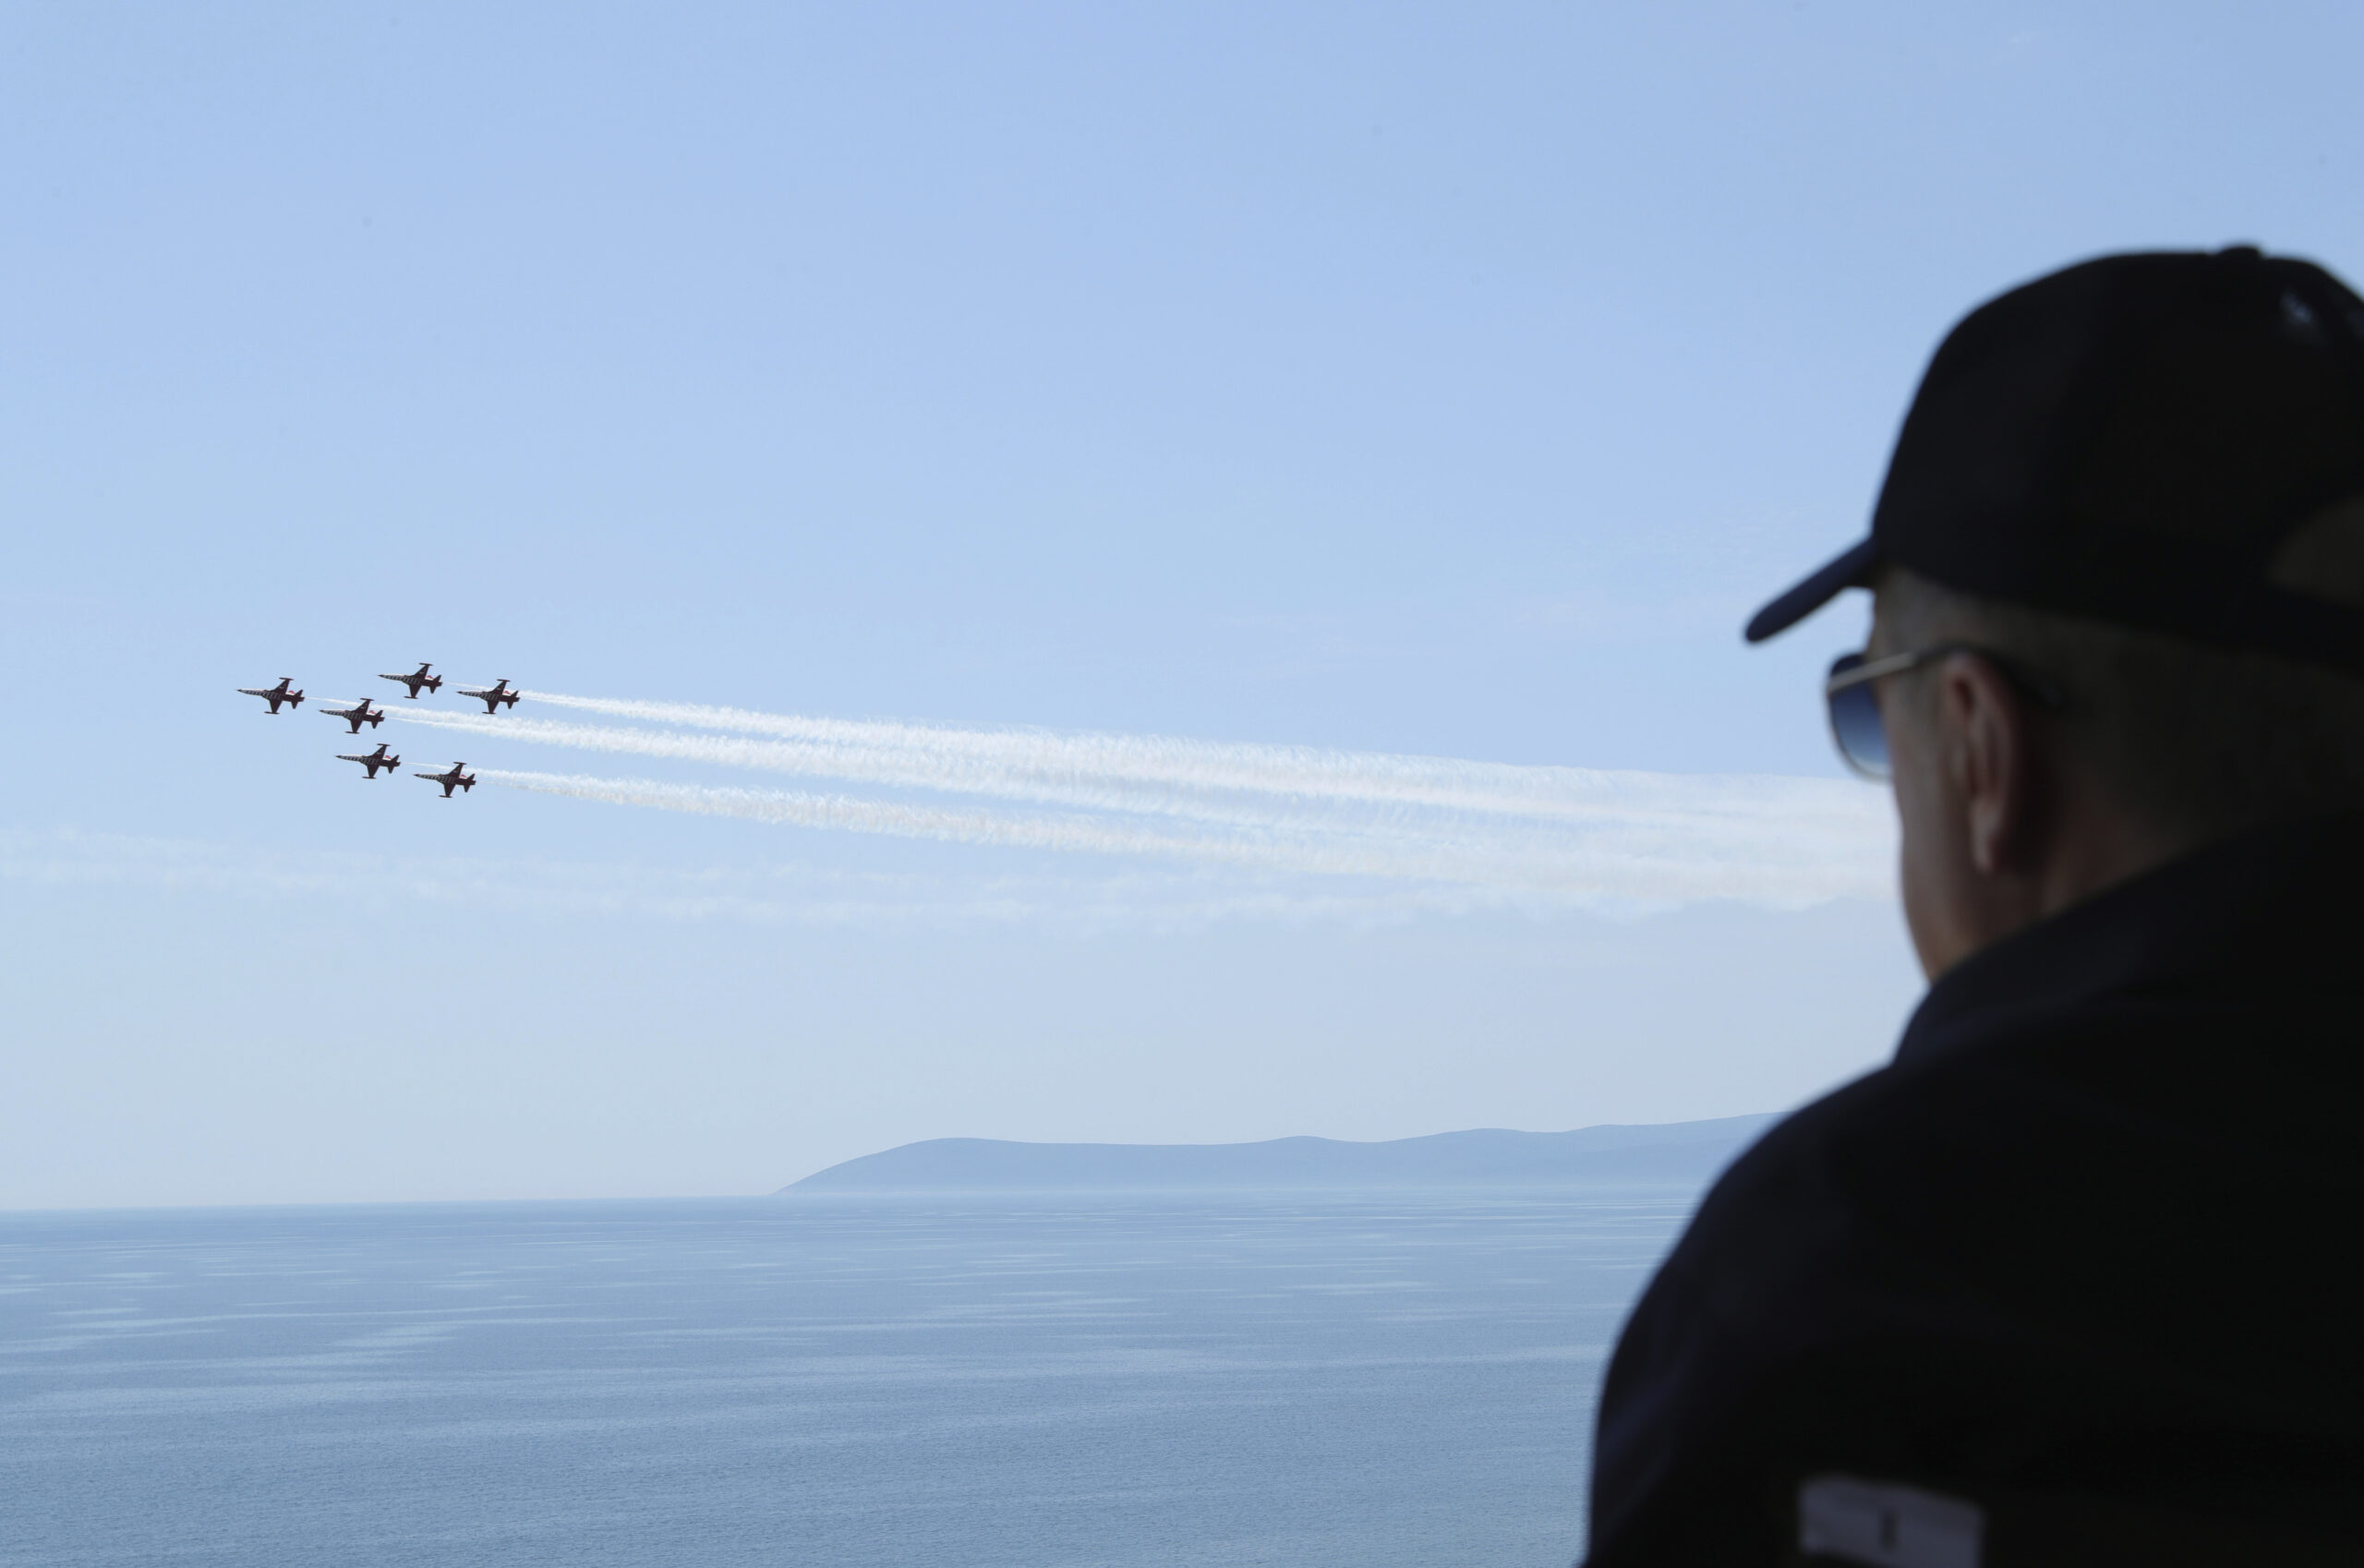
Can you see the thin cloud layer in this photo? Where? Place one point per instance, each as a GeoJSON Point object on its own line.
{"type": "Point", "coordinates": [1160, 901]}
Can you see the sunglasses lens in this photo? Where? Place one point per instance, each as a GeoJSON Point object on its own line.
{"type": "Point", "coordinates": [1855, 726]}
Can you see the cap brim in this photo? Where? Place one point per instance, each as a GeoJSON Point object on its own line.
{"type": "Point", "coordinates": [1851, 570]}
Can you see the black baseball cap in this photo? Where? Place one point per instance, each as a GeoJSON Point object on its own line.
{"type": "Point", "coordinates": [2156, 439]}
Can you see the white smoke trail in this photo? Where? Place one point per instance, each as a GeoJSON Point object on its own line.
{"type": "Point", "coordinates": [1005, 761]}
{"type": "Point", "coordinates": [1641, 863]}
{"type": "Point", "coordinates": [1276, 787]}
{"type": "Point", "coordinates": [907, 769]}
{"type": "Point", "coordinates": [1555, 830]}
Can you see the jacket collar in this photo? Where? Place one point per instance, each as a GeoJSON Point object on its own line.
{"type": "Point", "coordinates": [2276, 905]}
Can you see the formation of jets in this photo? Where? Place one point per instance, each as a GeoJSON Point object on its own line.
{"type": "Point", "coordinates": [495, 698]}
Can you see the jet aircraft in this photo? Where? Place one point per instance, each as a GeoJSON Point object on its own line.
{"type": "Point", "coordinates": [416, 679]}
{"type": "Point", "coordinates": [455, 776]}
{"type": "Point", "coordinates": [374, 760]}
{"type": "Point", "coordinates": [364, 713]}
{"type": "Point", "coordinates": [493, 695]}
{"type": "Point", "coordinates": [275, 695]}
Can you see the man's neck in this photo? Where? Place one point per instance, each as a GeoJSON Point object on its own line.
{"type": "Point", "coordinates": [2096, 843]}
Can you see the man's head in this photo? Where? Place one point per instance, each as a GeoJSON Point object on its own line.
{"type": "Point", "coordinates": [2130, 498]}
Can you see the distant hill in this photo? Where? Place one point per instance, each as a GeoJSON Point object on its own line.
{"type": "Point", "coordinates": [1593, 1156]}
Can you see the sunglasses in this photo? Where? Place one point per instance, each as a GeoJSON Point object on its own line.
{"type": "Point", "coordinates": [1852, 696]}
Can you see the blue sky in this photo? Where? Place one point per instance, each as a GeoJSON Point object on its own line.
{"type": "Point", "coordinates": [1436, 381]}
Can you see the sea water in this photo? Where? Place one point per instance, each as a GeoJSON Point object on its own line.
{"type": "Point", "coordinates": [1216, 1379]}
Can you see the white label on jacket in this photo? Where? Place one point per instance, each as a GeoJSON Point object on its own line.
{"type": "Point", "coordinates": [1887, 1525]}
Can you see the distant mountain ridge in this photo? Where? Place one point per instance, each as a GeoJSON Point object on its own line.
{"type": "Point", "coordinates": [1662, 1154]}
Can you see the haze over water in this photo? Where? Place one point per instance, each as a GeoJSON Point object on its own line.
{"type": "Point", "coordinates": [1154, 1380]}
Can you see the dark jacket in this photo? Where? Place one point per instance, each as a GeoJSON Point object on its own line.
{"type": "Point", "coordinates": [2085, 1255]}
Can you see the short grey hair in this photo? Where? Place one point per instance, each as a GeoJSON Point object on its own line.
{"type": "Point", "coordinates": [2201, 741]}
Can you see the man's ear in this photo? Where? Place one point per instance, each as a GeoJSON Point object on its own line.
{"type": "Point", "coordinates": [1989, 754]}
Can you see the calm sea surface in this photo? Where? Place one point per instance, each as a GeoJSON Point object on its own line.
{"type": "Point", "coordinates": [1229, 1378]}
